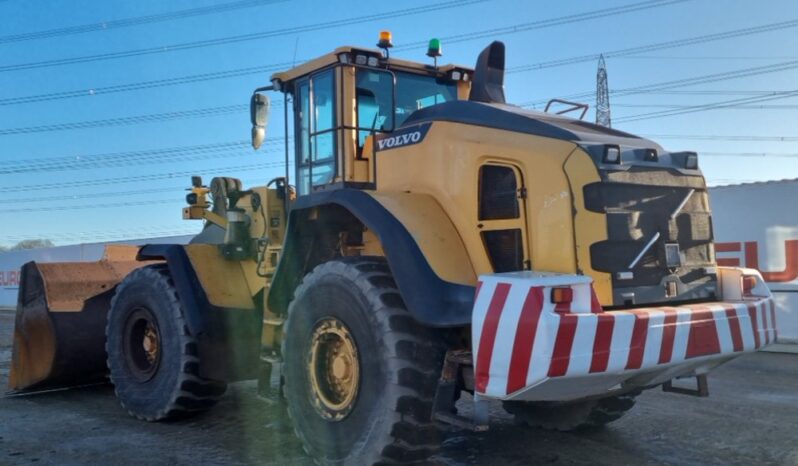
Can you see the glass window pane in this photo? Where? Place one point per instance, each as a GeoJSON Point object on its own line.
{"type": "Point", "coordinates": [303, 101]}
{"type": "Point", "coordinates": [414, 92]}
{"type": "Point", "coordinates": [323, 147]}
{"type": "Point", "coordinates": [374, 101]}
{"type": "Point", "coordinates": [323, 101]}
{"type": "Point", "coordinates": [303, 183]}
{"type": "Point", "coordinates": [323, 173]}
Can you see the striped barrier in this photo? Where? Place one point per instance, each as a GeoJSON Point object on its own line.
{"type": "Point", "coordinates": [527, 347]}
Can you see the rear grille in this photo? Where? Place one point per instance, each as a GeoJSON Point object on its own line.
{"type": "Point", "coordinates": [636, 213]}
{"type": "Point", "coordinates": [505, 249]}
{"type": "Point", "coordinates": [498, 193]}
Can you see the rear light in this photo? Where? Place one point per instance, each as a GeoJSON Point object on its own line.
{"type": "Point", "coordinates": [612, 154]}
{"type": "Point", "coordinates": [562, 295]}
{"type": "Point", "coordinates": [749, 283]}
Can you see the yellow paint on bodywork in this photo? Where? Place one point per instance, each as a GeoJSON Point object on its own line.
{"type": "Point", "coordinates": [590, 227]}
{"type": "Point", "coordinates": [445, 166]}
{"type": "Point", "coordinates": [224, 282]}
{"type": "Point", "coordinates": [433, 231]}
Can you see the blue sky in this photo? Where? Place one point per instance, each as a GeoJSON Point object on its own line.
{"type": "Point", "coordinates": [135, 196]}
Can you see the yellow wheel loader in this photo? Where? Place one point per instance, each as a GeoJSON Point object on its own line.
{"type": "Point", "coordinates": [430, 239]}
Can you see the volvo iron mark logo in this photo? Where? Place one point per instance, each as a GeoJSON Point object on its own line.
{"type": "Point", "coordinates": [403, 137]}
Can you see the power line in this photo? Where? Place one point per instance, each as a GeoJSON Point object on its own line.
{"type": "Point", "coordinates": [136, 86]}
{"type": "Point", "coordinates": [131, 120]}
{"type": "Point", "coordinates": [100, 195]}
{"type": "Point", "coordinates": [135, 21]}
{"type": "Point", "coordinates": [93, 91]}
{"type": "Point", "coordinates": [722, 137]}
{"type": "Point", "coordinates": [704, 107]}
{"type": "Point", "coordinates": [732, 107]}
{"type": "Point", "coordinates": [659, 46]}
{"type": "Point", "coordinates": [59, 208]}
{"type": "Point", "coordinates": [106, 194]}
{"type": "Point", "coordinates": [708, 57]}
{"type": "Point", "coordinates": [140, 157]}
{"type": "Point", "coordinates": [545, 23]}
{"type": "Point", "coordinates": [113, 156]}
{"type": "Point", "coordinates": [56, 208]}
{"type": "Point", "coordinates": [240, 38]}
{"type": "Point", "coordinates": [715, 77]}
{"type": "Point", "coordinates": [207, 172]}
{"type": "Point", "coordinates": [750, 154]}
{"type": "Point", "coordinates": [709, 92]}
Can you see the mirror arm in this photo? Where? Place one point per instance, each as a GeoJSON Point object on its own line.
{"type": "Point", "coordinates": [263, 89]}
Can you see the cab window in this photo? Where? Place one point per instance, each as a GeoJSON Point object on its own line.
{"type": "Point", "coordinates": [379, 109]}
{"type": "Point", "coordinates": [315, 144]}
{"type": "Point", "coordinates": [374, 91]}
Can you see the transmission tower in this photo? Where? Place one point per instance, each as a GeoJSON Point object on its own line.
{"type": "Point", "coordinates": [602, 95]}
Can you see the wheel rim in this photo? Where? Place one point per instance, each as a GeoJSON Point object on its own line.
{"type": "Point", "coordinates": [142, 344]}
{"type": "Point", "coordinates": [333, 369]}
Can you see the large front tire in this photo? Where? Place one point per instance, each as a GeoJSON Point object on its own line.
{"type": "Point", "coordinates": [152, 358]}
{"type": "Point", "coordinates": [360, 372]}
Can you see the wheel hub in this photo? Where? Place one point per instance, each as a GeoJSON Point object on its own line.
{"type": "Point", "coordinates": [333, 369]}
{"type": "Point", "coordinates": [142, 343]}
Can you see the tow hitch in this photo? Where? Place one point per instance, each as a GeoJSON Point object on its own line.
{"type": "Point", "coordinates": [458, 365]}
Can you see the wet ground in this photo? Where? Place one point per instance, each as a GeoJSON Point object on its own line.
{"type": "Point", "coordinates": [751, 418]}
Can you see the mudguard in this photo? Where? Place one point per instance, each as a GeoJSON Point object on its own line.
{"type": "Point", "coordinates": [228, 338]}
{"type": "Point", "coordinates": [430, 299]}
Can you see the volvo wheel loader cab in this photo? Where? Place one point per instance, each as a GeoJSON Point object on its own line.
{"type": "Point", "coordinates": [429, 239]}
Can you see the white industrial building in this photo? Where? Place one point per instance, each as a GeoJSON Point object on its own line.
{"type": "Point", "coordinates": [756, 226]}
{"type": "Point", "coordinates": [11, 262]}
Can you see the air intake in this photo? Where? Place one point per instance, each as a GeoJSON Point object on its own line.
{"type": "Point", "coordinates": [488, 83]}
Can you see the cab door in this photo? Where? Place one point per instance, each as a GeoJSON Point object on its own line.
{"type": "Point", "coordinates": [502, 216]}
{"type": "Point", "coordinates": [315, 131]}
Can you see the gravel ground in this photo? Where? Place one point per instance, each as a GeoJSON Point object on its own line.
{"type": "Point", "coordinates": [751, 417]}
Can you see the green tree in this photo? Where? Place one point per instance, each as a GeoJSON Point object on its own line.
{"type": "Point", "coordinates": [32, 244]}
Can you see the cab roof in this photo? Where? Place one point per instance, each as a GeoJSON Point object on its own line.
{"type": "Point", "coordinates": [332, 57]}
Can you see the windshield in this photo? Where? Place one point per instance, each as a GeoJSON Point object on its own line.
{"type": "Point", "coordinates": [376, 107]}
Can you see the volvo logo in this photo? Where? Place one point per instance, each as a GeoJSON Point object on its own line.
{"type": "Point", "coordinates": [403, 137]}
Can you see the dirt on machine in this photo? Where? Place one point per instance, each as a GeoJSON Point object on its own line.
{"type": "Point", "coordinates": [429, 239]}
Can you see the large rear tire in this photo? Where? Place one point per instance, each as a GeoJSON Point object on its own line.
{"type": "Point", "coordinates": [567, 417]}
{"type": "Point", "coordinates": [360, 372]}
{"type": "Point", "coordinates": [152, 358]}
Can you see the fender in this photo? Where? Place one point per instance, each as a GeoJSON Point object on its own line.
{"type": "Point", "coordinates": [431, 300]}
{"type": "Point", "coordinates": [228, 338]}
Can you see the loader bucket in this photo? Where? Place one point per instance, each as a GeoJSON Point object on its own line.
{"type": "Point", "coordinates": [59, 329]}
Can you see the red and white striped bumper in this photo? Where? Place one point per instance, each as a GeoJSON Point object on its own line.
{"type": "Point", "coordinates": [527, 348]}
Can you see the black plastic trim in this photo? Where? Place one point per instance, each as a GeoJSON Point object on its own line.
{"type": "Point", "coordinates": [519, 120]}
{"type": "Point", "coordinates": [431, 300]}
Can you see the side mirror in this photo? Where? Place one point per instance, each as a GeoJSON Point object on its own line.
{"type": "Point", "coordinates": [259, 114]}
